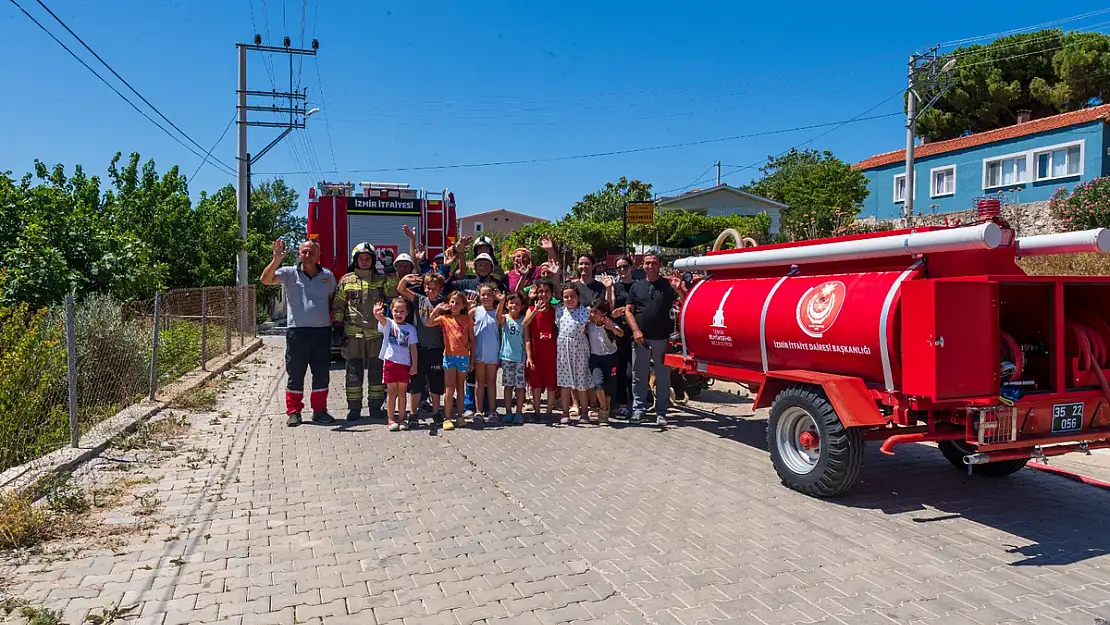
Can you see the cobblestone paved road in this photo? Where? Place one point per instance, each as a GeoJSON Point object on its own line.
{"type": "Point", "coordinates": [538, 524]}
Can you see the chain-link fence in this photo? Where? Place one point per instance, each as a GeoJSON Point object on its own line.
{"type": "Point", "coordinates": [64, 370]}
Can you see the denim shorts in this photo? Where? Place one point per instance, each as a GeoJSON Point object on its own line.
{"type": "Point", "coordinates": [458, 363]}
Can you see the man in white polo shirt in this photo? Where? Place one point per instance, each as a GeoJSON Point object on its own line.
{"type": "Point", "coordinates": [309, 287]}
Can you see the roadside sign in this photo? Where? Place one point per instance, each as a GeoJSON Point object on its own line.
{"type": "Point", "coordinates": [641, 212]}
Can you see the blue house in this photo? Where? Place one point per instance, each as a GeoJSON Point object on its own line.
{"type": "Point", "coordinates": [1026, 162]}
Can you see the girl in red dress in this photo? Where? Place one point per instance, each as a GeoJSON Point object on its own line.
{"type": "Point", "coordinates": [539, 346]}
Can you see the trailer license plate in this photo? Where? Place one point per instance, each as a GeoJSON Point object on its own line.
{"type": "Point", "coordinates": [1067, 417]}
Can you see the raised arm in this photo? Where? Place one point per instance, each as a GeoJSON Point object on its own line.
{"type": "Point", "coordinates": [403, 286]}
{"type": "Point", "coordinates": [501, 309]}
{"type": "Point", "coordinates": [268, 274]}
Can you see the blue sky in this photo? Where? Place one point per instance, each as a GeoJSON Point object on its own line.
{"type": "Point", "coordinates": [431, 83]}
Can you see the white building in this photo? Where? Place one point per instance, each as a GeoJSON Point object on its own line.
{"type": "Point", "coordinates": [724, 200]}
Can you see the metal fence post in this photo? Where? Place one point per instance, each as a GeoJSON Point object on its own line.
{"type": "Point", "coordinates": [71, 372]}
{"type": "Point", "coordinates": [244, 314]}
{"type": "Point", "coordinates": [203, 329]}
{"type": "Point", "coordinates": [227, 320]}
{"type": "Point", "coordinates": [154, 347]}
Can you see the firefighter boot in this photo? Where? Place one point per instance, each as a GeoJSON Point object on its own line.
{"type": "Point", "coordinates": [375, 392]}
{"type": "Point", "coordinates": [354, 410]}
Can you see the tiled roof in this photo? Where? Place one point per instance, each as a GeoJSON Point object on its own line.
{"type": "Point", "coordinates": [705, 191]}
{"type": "Point", "coordinates": [982, 138]}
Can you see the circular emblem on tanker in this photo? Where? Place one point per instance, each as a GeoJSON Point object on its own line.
{"type": "Point", "coordinates": [819, 307]}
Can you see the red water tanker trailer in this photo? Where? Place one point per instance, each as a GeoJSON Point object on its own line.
{"type": "Point", "coordinates": [930, 334]}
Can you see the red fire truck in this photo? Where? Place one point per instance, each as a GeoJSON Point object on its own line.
{"type": "Point", "coordinates": [340, 218]}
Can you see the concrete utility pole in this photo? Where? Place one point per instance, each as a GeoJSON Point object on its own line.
{"type": "Point", "coordinates": [927, 77]}
{"type": "Point", "coordinates": [297, 116]}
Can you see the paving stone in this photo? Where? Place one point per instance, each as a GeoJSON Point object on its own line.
{"type": "Point", "coordinates": [352, 524]}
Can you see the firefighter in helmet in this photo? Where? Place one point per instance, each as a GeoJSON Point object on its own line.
{"type": "Point", "coordinates": [484, 245]}
{"type": "Point", "coordinates": [356, 329]}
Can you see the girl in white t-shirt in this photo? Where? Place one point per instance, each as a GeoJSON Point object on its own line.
{"type": "Point", "coordinates": [398, 354]}
{"type": "Point", "coordinates": [603, 332]}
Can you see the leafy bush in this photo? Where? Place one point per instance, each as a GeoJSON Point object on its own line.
{"type": "Point", "coordinates": [1086, 206]}
{"type": "Point", "coordinates": [113, 355]}
{"type": "Point", "coordinates": [33, 415]}
{"type": "Point", "coordinates": [113, 369]}
{"type": "Point", "coordinates": [178, 349]}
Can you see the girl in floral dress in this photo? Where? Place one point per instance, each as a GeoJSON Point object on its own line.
{"type": "Point", "coordinates": [572, 350]}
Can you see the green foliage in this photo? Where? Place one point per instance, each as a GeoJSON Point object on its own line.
{"type": "Point", "coordinates": [607, 203]}
{"type": "Point", "coordinates": [32, 385]}
{"type": "Point", "coordinates": [679, 229]}
{"type": "Point", "coordinates": [824, 194]}
{"type": "Point", "coordinates": [62, 234]}
{"type": "Point", "coordinates": [1046, 72]}
{"type": "Point", "coordinates": [178, 349]}
{"type": "Point", "coordinates": [1086, 206]}
{"type": "Point", "coordinates": [113, 356]}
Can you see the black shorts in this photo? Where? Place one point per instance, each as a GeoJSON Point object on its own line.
{"type": "Point", "coordinates": [429, 370]}
{"type": "Point", "coordinates": [603, 373]}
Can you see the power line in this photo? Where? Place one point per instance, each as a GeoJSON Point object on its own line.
{"type": "Point", "coordinates": [121, 79]}
{"type": "Point", "coordinates": [834, 128]}
{"type": "Point", "coordinates": [218, 141]}
{"type": "Point", "coordinates": [108, 84]}
{"type": "Point", "coordinates": [957, 42]}
{"type": "Point", "coordinates": [696, 181]}
{"type": "Point", "coordinates": [601, 154]}
{"type": "Point", "coordinates": [324, 104]}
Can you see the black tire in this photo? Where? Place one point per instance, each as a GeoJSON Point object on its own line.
{"type": "Point", "coordinates": [954, 452]}
{"type": "Point", "coordinates": [840, 451]}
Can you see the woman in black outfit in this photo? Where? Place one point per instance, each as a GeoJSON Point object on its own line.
{"type": "Point", "coordinates": [623, 399]}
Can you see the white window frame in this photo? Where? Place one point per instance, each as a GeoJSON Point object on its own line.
{"type": "Point", "coordinates": [1034, 154]}
{"type": "Point", "coordinates": [1031, 163]}
{"type": "Point", "coordinates": [896, 199]}
{"type": "Point", "coordinates": [479, 226]}
{"type": "Point", "coordinates": [1005, 157]}
{"type": "Point", "coordinates": [933, 181]}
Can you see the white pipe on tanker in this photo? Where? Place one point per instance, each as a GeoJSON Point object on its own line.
{"type": "Point", "coordinates": [1096, 240]}
{"type": "Point", "coordinates": [983, 236]}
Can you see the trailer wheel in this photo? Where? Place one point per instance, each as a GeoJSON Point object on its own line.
{"type": "Point", "coordinates": [954, 452]}
{"type": "Point", "coordinates": [811, 450]}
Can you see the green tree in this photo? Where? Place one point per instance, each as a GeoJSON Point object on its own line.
{"type": "Point", "coordinates": [607, 203]}
{"type": "Point", "coordinates": [824, 194]}
{"type": "Point", "coordinates": [1046, 72]}
{"type": "Point", "coordinates": [61, 234]}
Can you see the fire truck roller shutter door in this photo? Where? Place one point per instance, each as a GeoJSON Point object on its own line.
{"type": "Point", "coordinates": [381, 230]}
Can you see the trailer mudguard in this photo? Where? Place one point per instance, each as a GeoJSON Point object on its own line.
{"type": "Point", "coordinates": [848, 395]}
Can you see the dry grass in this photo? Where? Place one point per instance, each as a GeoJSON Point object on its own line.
{"type": "Point", "coordinates": [1067, 265]}
{"type": "Point", "coordinates": [201, 398]}
{"type": "Point", "coordinates": [22, 523]}
{"type": "Point", "coordinates": [153, 434]}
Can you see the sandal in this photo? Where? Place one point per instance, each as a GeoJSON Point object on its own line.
{"type": "Point", "coordinates": [603, 419]}
{"type": "Point", "coordinates": [593, 415]}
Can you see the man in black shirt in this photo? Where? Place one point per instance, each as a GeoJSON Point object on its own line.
{"type": "Point", "coordinates": [648, 314]}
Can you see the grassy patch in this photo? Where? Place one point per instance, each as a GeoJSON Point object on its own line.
{"type": "Point", "coordinates": [23, 524]}
{"type": "Point", "coordinates": [200, 398]}
{"type": "Point", "coordinates": [152, 434]}
{"type": "Point", "coordinates": [111, 614]}
{"type": "Point", "coordinates": [146, 504]}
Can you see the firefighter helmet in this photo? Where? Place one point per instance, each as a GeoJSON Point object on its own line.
{"type": "Point", "coordinates": [361, 248]}
{"type": "Point", "coordinates": [480, 241]}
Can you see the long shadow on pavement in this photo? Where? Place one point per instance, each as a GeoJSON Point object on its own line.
{"type": "Point", "coordinates": [1063, 521]}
